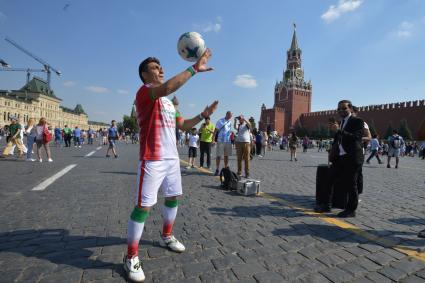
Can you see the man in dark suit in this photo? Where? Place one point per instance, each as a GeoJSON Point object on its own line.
{"type": "Point", "coordinates": [349, 154]}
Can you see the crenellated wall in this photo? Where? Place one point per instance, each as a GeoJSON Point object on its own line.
{"type": "Point", "coordinates": [380, 116]}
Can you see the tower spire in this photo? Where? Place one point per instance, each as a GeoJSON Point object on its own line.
{"type": "Point", "coordinates": [294, 43]}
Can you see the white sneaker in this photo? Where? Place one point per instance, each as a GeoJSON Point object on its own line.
{"type": "Point", "coordinates": [134, 269]}
{"type": "Point", "coordinates": [173, 244]}
{"type": "Point", "coordinates": [188, 167]}
{"type": "Point", "coordinates": [40, 160]}
{"type": "Point", "coordinates": [30, 159]}
{"type": "Point", "coordinates": [50, 160]}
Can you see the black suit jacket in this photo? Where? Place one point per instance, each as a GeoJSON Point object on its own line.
{"type": "Point", "coordinates": [350, 139]}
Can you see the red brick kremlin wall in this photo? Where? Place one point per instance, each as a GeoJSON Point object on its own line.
{"type": "Point", "coordinates": [380, 116]}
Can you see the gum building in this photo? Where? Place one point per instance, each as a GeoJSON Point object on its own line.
{"type": "Point", "coordinates": [36, 100]}
{"type": "Point", "coordinates": [292, 105]}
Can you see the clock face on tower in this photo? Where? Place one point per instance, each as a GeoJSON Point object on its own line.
{"type": "Point", "coordinates": [299, 73]}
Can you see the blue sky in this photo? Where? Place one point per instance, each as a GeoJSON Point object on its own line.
{"type": "Point", "coordinates": [369, 51]}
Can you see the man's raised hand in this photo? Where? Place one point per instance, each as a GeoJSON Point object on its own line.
{"type": "Point", "coordinates": [201, 64]}
{"type": "Point", "coordinates": [209, 110]}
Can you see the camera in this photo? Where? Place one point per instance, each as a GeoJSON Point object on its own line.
{"type": "Point", "coordinates": [238, 117]}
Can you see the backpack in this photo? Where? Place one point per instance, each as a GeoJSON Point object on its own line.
{"type": "Point", "coordinates": [396, 142]}
{"type": "Point", "coordinates": [230, 179]}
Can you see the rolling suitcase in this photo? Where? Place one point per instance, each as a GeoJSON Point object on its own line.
{"type": "Point", "coordinates": [323, 184]}
{"type": "Point", "coordinates": [329, 190]}
{"type": "Point", "coordinates": [248, 187]}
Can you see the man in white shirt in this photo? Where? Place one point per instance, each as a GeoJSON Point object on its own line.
{"type": "Point", "coordinates": [243, 143]}
{"type": "Point", "coordinates": [223, 129]}
{"type": "Point", "coordinates": [193, 147]}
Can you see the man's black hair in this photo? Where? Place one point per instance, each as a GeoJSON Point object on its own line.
{"type": "Point", "coordinates": [395, 131]}
{"type": "Point", "coordinates": [350, 105]}
{"type": "Point", "coordinates": [143, 67]}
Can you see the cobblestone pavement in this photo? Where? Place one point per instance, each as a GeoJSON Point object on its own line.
{"type": "Point", "coordinates": [75, 229]}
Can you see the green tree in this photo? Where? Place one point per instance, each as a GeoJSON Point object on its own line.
{"type": "Point", "coordinates": [323, 131]}
{"type": "Point", "coordinates": [404, 130]}
{"type": "Point", "coordinates": [389, 131]}
{"type": "Point", "coordinates": [120, 127]}
{"type": "Point", "coordinates": [130, 123]}
{"type": "Point", "coordinates": [301, 131]}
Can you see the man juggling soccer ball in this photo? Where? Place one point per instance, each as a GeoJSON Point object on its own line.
{"type": "Point", "coordinates": [159, 165]}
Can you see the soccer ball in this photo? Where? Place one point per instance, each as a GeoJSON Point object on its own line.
{"type": "Point", "coordinates": [191, 46]}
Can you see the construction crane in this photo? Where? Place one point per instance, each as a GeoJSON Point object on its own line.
{"type": "Point", "coordinates": [46, 65]}
{"type": "Point", "coordinates": [4, 64]}
{"type": "Point", "coordinates": [28, 70]}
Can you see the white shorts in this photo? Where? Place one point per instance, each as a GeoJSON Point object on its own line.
{"type": "Point", "coordinates": [152, 175]}
{"type": "Point", "coordinates": [223, 148]}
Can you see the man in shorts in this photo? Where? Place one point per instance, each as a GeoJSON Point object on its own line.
{"type": "Point", "coordinates": [224, 145]}
{"type": "Point", "coordinates": [395, 143]}
{"type": "Point", "coordinates": [159, 165]}
{"type": "Point", "coordinates": [112, 137]}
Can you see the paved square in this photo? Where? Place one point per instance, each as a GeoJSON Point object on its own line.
{"type": "Point", "coordinates": [75, 229]}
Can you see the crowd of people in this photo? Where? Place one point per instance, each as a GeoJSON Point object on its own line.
{"type": "Point", "coordinates": [29, 140]}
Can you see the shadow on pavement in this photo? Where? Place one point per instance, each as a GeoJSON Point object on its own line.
{"type": "Point", "coordinates": [307, 202]}
{"type": "Point", "coordinates": [58, 247]}
{"type": "Point", "coordinates": [336, 234]}
{"type": "Point", "coordinates": [256, 211]}
{"type": "Point", "coordinates": [409, 221]}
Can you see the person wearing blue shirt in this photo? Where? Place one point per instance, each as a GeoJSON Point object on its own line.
{"type": "Point", "coordinates": [58, 136]}
{"type": "Point", "coordinates": [374, 148]}
{"type": "Point", "coordinates": [223, 129]}
{"type": "Point", "coordinates": [77, 137]}
{"type": "Point", "coordinates": [112, 137]}
{"type": "Point", "coordinates": [90, 134]}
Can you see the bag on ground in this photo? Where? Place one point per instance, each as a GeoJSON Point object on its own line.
{"type": "Point", "coordinates": [229, 179]}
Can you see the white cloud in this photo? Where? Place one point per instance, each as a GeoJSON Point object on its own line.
{"type": "Point", "coordinates": [405, 30]}
{"type": "Point", "coordinates": [336, 11]}
{"type": "Point", "coordinates": [97, 89]}
{"type": "Point", "coordinates": [192, 105]}
{"type": "Point", "coordinates": [69, 83]}
{"type": "Point", "coordinates": [245, 81]}
{"type": "Point", "coordinates": [211, 26]}
{"type": "Point", "coordinates": [122, 91]}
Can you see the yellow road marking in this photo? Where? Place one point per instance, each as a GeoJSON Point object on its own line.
{"type": "Point", "coordinates": [341, 224]}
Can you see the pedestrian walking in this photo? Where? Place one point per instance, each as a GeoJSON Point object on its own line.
{"type": "Point", "coordinates": [67, 136]}
{"type": "Point", "coordinates": [31, 133]}
{"type": "Point", "coordinates": [293, 143]}
{"type": "Point", "coordinates": [395, 143]}
{"type": "Point", "coordinates": [112, 138]}
{"type": "Point", "coordinates": [15, 139]}
{"type": "Point", "coordinates": [58, 135]}
{"type": "Point", "coordinates": [43, 139]}
{"type": "Point", "coordinates": [77, 137]}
